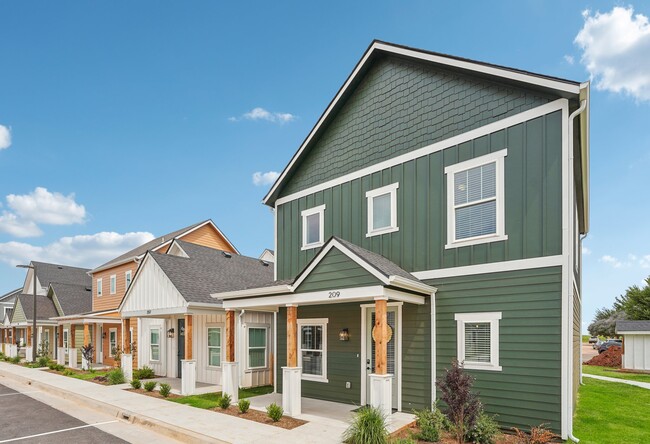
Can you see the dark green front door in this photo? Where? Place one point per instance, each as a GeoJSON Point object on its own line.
{"type": "Point", "coordinates": [181, 345]}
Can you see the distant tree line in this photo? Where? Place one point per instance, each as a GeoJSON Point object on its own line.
{"type": "Point", "coordinates": [634, 305]}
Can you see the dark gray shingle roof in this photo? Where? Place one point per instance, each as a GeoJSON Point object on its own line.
{"type": "Point", "coordinates": [74, 299]}
{"type": "Point", "coordinates": [632, 326]}
{"type": "Point", "coordinates": [45, 308]}
{"type": "Point", "coordinates": [48, 273]}
{"type": "Point", "coordinates": [208, 271]}
{"type": "Point", "coordinates": [9, 297]}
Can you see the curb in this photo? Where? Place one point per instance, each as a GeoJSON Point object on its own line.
{"type": "Point", "coordinates": [163, 428]}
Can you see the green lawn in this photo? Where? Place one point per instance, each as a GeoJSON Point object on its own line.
{"type": "Point", "coordinates": [612, 413]}
{"type": "Point", "coordinates": [86, 376]}
{"type": "Point", "coordinates": [209, 400]}
{"type": "Point", "coordinates": [613, 373]}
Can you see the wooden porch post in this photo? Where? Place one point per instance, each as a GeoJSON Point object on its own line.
{"type": "Point", "coordinates": [380, 336]}
{"type": "Point", "coordinates": [60, 338]}
{"type": "Point", "coordinates": [188, 336]}
{"type": "Point", "coordinates": [230, 336]}
{"type": "Point", "coordinates": [29, 336]}
{"type": "Point", "coordinates": [13, 335]}
{"type": "Point", "coordinates": [126, 337]}
{"type": "Point", "coordinates": [86, 334]}
{"type": "Point", "coordinates": [71, 339]}
{"type": "Point", "coordinates": [292, 335]}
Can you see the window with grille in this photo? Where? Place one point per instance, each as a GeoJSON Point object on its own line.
{"type": "Point", "coordinates": [256, 347]}
{"type": "Point", "coordinates": [312, 349]}
{"type": "Point", "coordinates": [154, 345]}
{"type": "Point", "coordinates": [214, 346]}
{"type": "Point", "coordinates": [112, 342]}
{"type": "Point", "coordinates": [478, 340]}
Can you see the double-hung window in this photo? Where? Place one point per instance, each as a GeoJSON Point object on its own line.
{"type": "Point", "coordinates": [478, 340]}
{"type": "Point", "coordinates": [65, 339]}
{"type": "Point", "coordinates": [382, 210]}
{"type": "Point", "coordinates": [257, 347]}
{"type": "Point", "coordinates": [475, 201]}
{"type": "Point", "coordinates": [113, 284]}
{"type": "Point", "coordinates": [214, 346]}
{"type": "Point", "coordinates": [112, 342]}
{"type": "Point", "coordinates": [99, 287]}
{"type": "Point", "coordinates": [312, 349]}
{"type": "Point", "coordinates": [313, 227]}
{"type": "Point", "coordinates": [154, 344]}
{"type": "Point", "coordinates": [127, 279]}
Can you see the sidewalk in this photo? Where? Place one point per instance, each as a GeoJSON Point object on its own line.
{"type": "Point", "coordinates": [177, 421]}
{"type": "Point", "coordinates": [645, 385]}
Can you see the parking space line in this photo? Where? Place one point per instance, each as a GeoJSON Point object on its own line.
{"type": "Point", "coordinates": [59, 431]}
{"type": "Point", "coordinates": [19, 393]}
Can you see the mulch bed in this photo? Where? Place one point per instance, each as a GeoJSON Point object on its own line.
{"type": "Point", "coordinates": [612, 357]}
{"type": "Point", "coordinates": [153, 393]}
{"type": "Point", "coordinates": [286, 422]}
{"type": "Point", "coordinates": [446, 437]}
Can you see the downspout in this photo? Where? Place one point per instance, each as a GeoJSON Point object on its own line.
{"type": "Point", "coordinates": [582, 238]}
{"type": "Point", "coordinates": [583, 106]}
{"type": "Point", "coordinates": [239, 349]}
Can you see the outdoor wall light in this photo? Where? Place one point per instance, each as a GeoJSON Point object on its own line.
{"type": "Point", "coordinates": [170, 333]}
{"type": "Point", "coordinates": [104, 335]}
{"type": "Point", "coordinates": [344, 335]}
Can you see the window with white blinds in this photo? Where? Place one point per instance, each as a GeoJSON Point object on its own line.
{"type": "Point", "coordinates": [475, 196]}
{"type": "Point", "coordinates": [478, 340]}
{"type": "Point", "coordinates": [312, 349]}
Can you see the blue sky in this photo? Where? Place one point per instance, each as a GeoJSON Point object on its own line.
{"type": "Point", "coordinates": [119, 120]}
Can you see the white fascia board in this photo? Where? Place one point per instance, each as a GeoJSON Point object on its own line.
{"type": "Point", "coordinates": [278, 289]}
{"type": "Point", "coordinates": [407, 284]}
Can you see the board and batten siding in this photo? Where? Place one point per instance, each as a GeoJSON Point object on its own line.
{"type": "Point", "coordinates": [533, 205]}
{"type": "Point", "coordinates": [527, 390]}
{"type": "Point", "coordinates": [152, 290]}
{"type": "Point", "coordinates": [168, 350]}
{"type": "Point", "coordinates": [636, 354]}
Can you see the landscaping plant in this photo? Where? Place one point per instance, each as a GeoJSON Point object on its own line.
{"type": "Point", "coordinates": [136, 384]}
{"type": "Point", "coordinates": [68, 372]}
{"type": "Point", "coordinates": [15, 360]}
{"type": "Point", "coordinates": [430, 422]}
{"type": "Point", "coordinates": [463, 406]}
{"type": "Point", "coordinates": [143, 373]}
{"type": "Point", "coordinates": [275, 412]}
{"type": "Point", "coordinates": [408, 440]}
{"type": "Point", "coordinates": [115, 376]}
{"type": "Point", "coordinates": [368, 426]}
{"type": "Point", "coordinates": [244, 405]}
{"type": "Point", "coordinates": [43, 361]}
{"type": "Point", "coordinates": [43, 349]}
{"type": "Point", "coordinates": [165, 390]}
{"type": "Point", "coordinates": [538, 435]}
{"type": "Point", "coordinates": [87, 351]}
{"type": "Point", "coordinates": [485, 431]}
{"type": "Point", "coordinates": [150, 385]}
{"type": "Point", "coordinates": [224, 401]}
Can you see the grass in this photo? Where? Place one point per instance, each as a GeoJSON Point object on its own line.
{"type": "Point", "coordinates": [612, 413]}
{"type": "Point", "coordinates": [87, 376]}
{"type": "Point", "coordinates": [613, 373]}
{"type": "Point", "coordinates": [210, 400]}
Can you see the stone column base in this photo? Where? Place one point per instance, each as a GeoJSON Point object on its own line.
{"type": "Point", "coordinates": [60, 356]}
{"type": "Point", "coordinates": [72, 358]}
{"type": "Point", "coordinates": [381, 393]}
{"type": "Point", "coordinates": [188, 379]}
{"type": "Point", "coordinates": [230, 380]}
{"type": "Point", "coordinates": [292, 390]}
{"type": "Point", "coordinates": [29, 354]}
{"type": "Point", "coordinates": [127, 366]}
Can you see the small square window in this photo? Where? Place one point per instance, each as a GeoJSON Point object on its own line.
{"type": "Point", "coordinates": [313, 221]}
{"type": "Point", "coordinates": [478, 340]}
{"type": "Point", "coordinates": [382, 210]}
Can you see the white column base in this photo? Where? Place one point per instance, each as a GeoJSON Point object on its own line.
{"type": "Point", "coordinates": [29, 355]}
{"type": "Point", "coordinates": [72, 358]}
{"type": "Point", "coordinates": [127, 366]}
{"type": "Point", "coordinates": [60, 356]}
{"type": "Point", "coordinates": [292, 390]}
{"type": "Point", "coordinates": [12, 350]}
{"type": "Point", "coordinates": [381, 393]}
{"type": "Point", "coordinates": [230, 380]}
{"type": "Point", "coordinates": [188, 378]}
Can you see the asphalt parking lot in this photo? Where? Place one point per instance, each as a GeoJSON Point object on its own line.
{"type": "Point", "coordinates": [26, 420]}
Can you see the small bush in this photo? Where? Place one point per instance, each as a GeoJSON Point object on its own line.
{"type": "Point", "coordinates": [165, 390]}
{"type": "Point", "coordinates": [136, 384]}
{"type": "Point", "coordinates": [43, 361]}
{"type": "Point", "coordinates": [408, 440]}
{"type": "Point", "coordinates": [275, 412]}
{"type": "Point", "coordinates": [115, 376]}
{"type": "Point", "coordinates": [244, 405]}
{"type": "Point", "coordinates": [368, 426]}
{"type": "Point", "coordinates": [15, 360]}
{"type": "Point", "coordinates": [484, 431]}
{"type": "Point", "coordinates": [463, 406]}
{"type": "Point", "coordinates": [150, 385]}
{"type": "Point", "coordinates": [430, 422]}
{"type": "Point", "coordinates": [224, 401]}
{"type": "Point", "coordinates": [538, 435]}
{"type": "Point", "coordinates": [143, 373]}
{"type": "Point", "coordinates": [68, 372]}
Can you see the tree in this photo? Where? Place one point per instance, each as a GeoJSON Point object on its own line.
{"type": "Point", "coordinates": [635, 302]}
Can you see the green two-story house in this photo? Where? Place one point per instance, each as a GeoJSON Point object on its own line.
{"type": "Point", "coordinates": [433, 213]}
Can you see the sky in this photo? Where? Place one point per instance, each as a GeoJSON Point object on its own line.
{"type": "Point", "coordinates": [120, 121]}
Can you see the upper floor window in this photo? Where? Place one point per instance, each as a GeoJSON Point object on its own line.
{"type": "Point", "coordinates": [475, 195]}
{"type": "Point", "coordinates": [313, 227]}
{"type": "Point", "coordinates": [127, 279]}
{"type": "Point", "coordinates": [99, 287]}
{"type": "Point", "coordinates": [382, 210]}
{"type": "Point", "coordinates": [113, 284]}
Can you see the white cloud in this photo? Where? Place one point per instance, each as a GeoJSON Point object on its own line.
{"type": "Point", "coordinates": [616, 48]}
{"type": "Point", "coordinates": [82, 250]}
{"type": "Point", "coordinates": [262, 114]}
{"type": "Point", "coordinates": [267, 178]}
{"type": "Point", "coordinates": [586, 251]}
{"type": "Point", "coordinates": [42, 206]}
{"type": "Point", "coordinates": [5, 137]}
{"type": "Point", "coordinates": [632, 260]}
{"type": "Point", "coordinates": [644, 262]}
{"type": "Point", "coordinates": [11, 224]}
{"type": "Point", "coordinates": [569, 59]}
{"type": "Point", "coordinates": [611, 260]}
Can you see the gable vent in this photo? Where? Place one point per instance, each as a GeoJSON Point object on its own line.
{"type": "Point", "coordinates": [226, 254]}
{"type": "Point", "coordinates": [60, 267]}
{"type": "Point", "coordinates": [266, 264]}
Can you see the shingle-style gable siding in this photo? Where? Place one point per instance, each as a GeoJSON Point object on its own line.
{"type": "Point", "coordinates": [19, 313]}
{"type": "Point", "coordinates": [400, 106]}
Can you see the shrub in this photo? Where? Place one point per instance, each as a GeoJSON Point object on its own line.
{"type": "Point", "coordinates": [463, 406]}
{"type": "Point", "coordinates": [408, 440]}
{"type": "Point", "coordinates": [143, 373]}
{"type": "Point", "coordinates": [275, 412]}
{"type": "Point", "coordinates": [224, 401]}
{"type": "Point", "coordinates": [88, 351]}
{"type": "Point", "coordinates": [165, 389]}
{"type": "Point", "coordinates": [484, 431]}
{"type": "Point", "coordinates": [42, 361]}
{"type": "Point", "coordinates": [136, 384]}
{"type": "Point", "coordinates": [368, 426]}
{"type": "Point", "coordinates": [244, 405]}
{"type": "Point", "coordinates": [430, 422]}
{"type": "Point", "coordinates": [115, 376]}
{"type": "Point", "coordinates": [15, 360]}
{"type": "Point", "coordinates": [150, 385]}
{"type": "Point", "coordinates": [68, 372]}
{"type": "Point", "coordinates": [538, 435]}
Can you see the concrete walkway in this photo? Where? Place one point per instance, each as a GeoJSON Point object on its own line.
{"type": "Point", "coordinates": [644, 385]}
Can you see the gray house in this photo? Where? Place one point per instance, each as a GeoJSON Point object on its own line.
{"type": "Point", "coordinates": [433, 213]}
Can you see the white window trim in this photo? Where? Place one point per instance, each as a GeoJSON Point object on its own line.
{"type": "Point", "coordinates": [370, 195]}
{"type": "Point", "coordinates": [322, 322]}
{"type": "Point", "coordinates": [221, 327]}
{"type": "Point", "coordinates": [266, 347]}
{"type": "Point", "coordinates": [450, 171]}
{"type": "Point", "coordinates": [66, 336]}
{"type": "Point", "coordinates": [127, 281]}
{"type": "Point", "coordinates": [113, 284]}
{"type": "Point", "coordinates": [321, 235]}
{"type": "Point", "coordinates": [159, 346]}
{"type": "Point", "coordinates": [99, 287]}
{"type": "Point", "coordinates": [493, 318]}
{"type": "Point", "coordinates": [110, 348]}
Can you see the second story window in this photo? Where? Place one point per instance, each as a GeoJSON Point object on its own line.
{"type": "Point", "coordinates": [475, 195]}
{"type": "Point", "coordinates": [127, 279]}
{"type": "Point", "coordinates": [99, 287]}
{"type": "Point", "coordinates": [382, 210]}
{"type": "Point", "coordinates": [113, 284]}
{"type": "Point", "coordinates": [313, 221]}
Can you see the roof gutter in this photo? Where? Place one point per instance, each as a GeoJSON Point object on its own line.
{"type": "Point", "coordinates": [277, 289]}
{"type": "Point", "coordinates": [407, 284]}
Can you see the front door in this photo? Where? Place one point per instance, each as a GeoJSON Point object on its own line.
{"type": "Point", "coordinates": [181, 345]}
{"type": "Point", "coordinates": [392, 350]}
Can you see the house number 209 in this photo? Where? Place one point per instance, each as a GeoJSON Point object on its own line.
{"type": "Point", "coordinates": [334, 294]}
